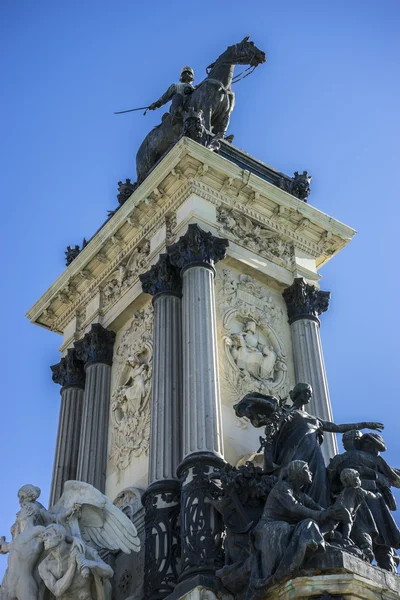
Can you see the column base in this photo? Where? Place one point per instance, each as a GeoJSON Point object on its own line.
{"type": "Point", "coordinates": [202, 525]}
{"type": "Point", "coordinates": [162, 541]}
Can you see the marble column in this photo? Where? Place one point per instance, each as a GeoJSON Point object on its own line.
{"type": "Point", "coordinates": [96, 351]}
{"type": "Point", "coordinates": [162, 497]}
{"type": "Point", "coordinates": [69, 373]}
{"type": "Point", "coordinates": [201, 526]}
{"type": "Point", "coordinates": [304, 304]}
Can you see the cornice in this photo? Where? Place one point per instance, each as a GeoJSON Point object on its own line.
{"type": "Point", "coordinates": [188, 169]}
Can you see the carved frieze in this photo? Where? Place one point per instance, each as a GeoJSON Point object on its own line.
{"type": "Point", "coordinates": [255, 237]}
{"type": "Point", "coordinates": [254, 356]}
{"type": "Point", "coordinates": [130, 399]}
{"type": "Point", "coordinates": [124, 276]}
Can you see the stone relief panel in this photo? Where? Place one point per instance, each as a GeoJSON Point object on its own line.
{"type": "Point", "coordinates": [123, 277]}
{"type": "Point", "coordinates": [130, 399]}
{"type": "Point", "coordinates": [255, 237]}
{"type": "Point", "coordinates": [253, 353]}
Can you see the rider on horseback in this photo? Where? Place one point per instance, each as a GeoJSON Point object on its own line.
{"type": "Point", "coordinates": [178, 93]}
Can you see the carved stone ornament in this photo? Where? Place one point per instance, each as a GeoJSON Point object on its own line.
{"type": "Point", "coordinates": [129, 501]}
{"type": "Point", "coordinates": [255, 237]}
{"type": "Point", "coordinates": [125, 191]}
{"type": "Point", "coordinates": [162, 277]}
{"type": "Point", "coordinates": [298, 186]}
{"type": "Point", "coordinates": [197, 246]}
{"type": "Point", "coordinates": [72, 252]}
{"type": "Point", "coordinates": [126, 274]}
{"type": "Point", "coordinates": [96, 346]}
{"type": "Point", "coordinates": [305, 301]}
{"type": "Point", "coordinates": [170, 224]}
{"type": "Point", "coordinates": [130, 399]}
{"type": "Point", "coordinates": [253, 356]}
{"type": "Point", "coordinates": [69, 371]}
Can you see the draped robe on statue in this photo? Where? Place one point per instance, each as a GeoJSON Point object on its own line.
{"type": "Point", "coordinates": [299, 438]}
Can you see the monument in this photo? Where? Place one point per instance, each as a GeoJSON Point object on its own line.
{"type": "Point", "coordinates": [190, 324]}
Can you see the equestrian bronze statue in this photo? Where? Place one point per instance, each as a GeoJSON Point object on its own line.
{"type": "Point", "coordinates": [213, 97]}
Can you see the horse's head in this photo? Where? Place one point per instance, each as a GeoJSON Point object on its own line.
{"type": "Point", "coordinates": [243, 53]}
{"type": "Point", "coordinates": [247, 53]}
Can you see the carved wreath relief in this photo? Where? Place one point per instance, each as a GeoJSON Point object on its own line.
{"type": "Point", "coordinates": [130, 400]}
{"type": "Point", "coordinates": [253, 357]}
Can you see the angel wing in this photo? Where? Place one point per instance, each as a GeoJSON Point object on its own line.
{"type": "Point", "coordinates": [100, 521]}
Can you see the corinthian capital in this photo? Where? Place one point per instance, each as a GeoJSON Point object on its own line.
{"type": "Point", "coordinates": [69, 371]}
{"type": "Point", "coordinates": [162, 277]}
{"type": "Point", "coordinates": [304, 301]}
{"type": "Point", "coordinates": [96, 346]}
{"type": "Point", "coordinates": [197, 247]}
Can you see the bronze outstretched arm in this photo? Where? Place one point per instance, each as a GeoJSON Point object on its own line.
{"type": "Point", "coordinates": [333, 428]}
{"type": "Point", "coordinates": [166, 97]}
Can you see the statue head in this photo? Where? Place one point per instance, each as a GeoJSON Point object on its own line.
{"type": "Point", "coordinates": [53, 535]}
{"type": "Point", "coordinates": [350, 440]}
{"type": "Point", "coordinates": [350, 478]}
{"type": "Point", "coordinates": [250, 326]}
{"type": "Point", "coordinates": [301, 394]}
{"type": "Point", "coordinates": [187, 75]}
{"type": "Point", "coordinates": [298, 472]}
{"type": "Point", "coordinates": [372, 442]}
{"type": "Point", "coordinates": [28, 493]}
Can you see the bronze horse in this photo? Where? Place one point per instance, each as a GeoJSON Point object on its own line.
{"type": "Point", "coordinates": [213, 96]}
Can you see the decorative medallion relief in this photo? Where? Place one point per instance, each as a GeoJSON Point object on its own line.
{"type": "Point", "coordinates": [128, 271]}
{"type": "Point", "coordinates": [255, 237]}
{"type": "Point", "coordinates": [254, 357]}
{"type": "Point", "coordinates": [130, 400]}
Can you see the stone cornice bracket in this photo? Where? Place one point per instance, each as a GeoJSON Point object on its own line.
{"type": "Point", "coordinates": [96, 346]}
{"type": "Point", "coordinates": [69, 371]}
{"type": "Point", "coordinates": [305, 301]}
{"type": "Point", "coordinates": [162, 278]}
{"type": "Point", "coordinates": [197, 248]}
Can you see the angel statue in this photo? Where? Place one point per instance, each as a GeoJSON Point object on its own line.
{"type": "Point", "coordinates": [80, 523]}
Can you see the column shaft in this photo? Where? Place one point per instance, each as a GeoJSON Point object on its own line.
{"type": "Point", "coordinates": [165, 436]}
{"type": "Point", "coordinates": [309, 368]}
{"type": "Point", "coordinates": [92, 459]}
{"type": "Point", "coordinates": [202, 425]}
{"type": "Point", "coordinates": [201, 525]}
{"type": "Point", "coordinates": [162, 497]}
{"type": "Point", "coordinates": [69, 426]}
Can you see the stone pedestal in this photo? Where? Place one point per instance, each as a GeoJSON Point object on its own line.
{"type": "Point", "coordinates": [96, 350]}
{"type": "Point", "coordinates": [201, 526]}
{"type": "Point", "coordinates": [162, 498]}
{"type": "Point", "coordinates": [337, 576]}
{"type": "Point", "coordinates": [304, 304]}
{"type": "Point", "coordinates": [69, 373]}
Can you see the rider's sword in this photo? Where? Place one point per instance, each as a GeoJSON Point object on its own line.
{"type": "Point", "coordinates": [132, 110]}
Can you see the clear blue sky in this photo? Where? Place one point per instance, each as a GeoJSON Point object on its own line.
{"type": "Point", "coordinates": [327, 100]}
